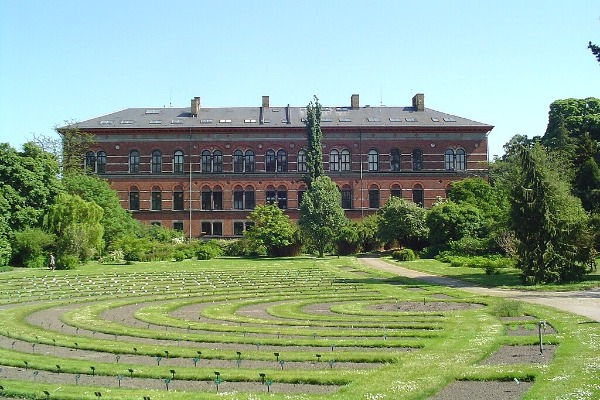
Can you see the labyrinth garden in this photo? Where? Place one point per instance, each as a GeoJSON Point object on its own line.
{"type": "Point", "coordinates": [298, 328]}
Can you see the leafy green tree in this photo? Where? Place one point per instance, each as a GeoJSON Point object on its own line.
{"type": "Point", "coordinates": [595, 50]}
{"type": "Point", "coordinates": [449, 221]}
{"type": "Point", "coordinates": [272, 229]}
{"type": "Point", "coordinates": [402, 222]}
{"type": "Point", "coordinates": [75, 143]}
{"type": "Point", "coordinates": [116, 221]}
{"type": "Point", "coordinates": [587, 185]}
{"type": "Point", "coordinates": [551, 227]}
{"type": "Point", "coordinates": [5, 246]}
{"type": "Point", "coordinates": [367, 230]}
{"type": "Point", "coordinates": [29, 184]}
{"type": "Point", "coordinates": [314, 151]}
{"type": "Point", "coordinates": [321, 215]}
{"type": "Point", "coordinates": [577, 115]}
{"type": "Point", "coordinates": [31, 247]}
{"type": "Point", "coordinates": [77, 226]}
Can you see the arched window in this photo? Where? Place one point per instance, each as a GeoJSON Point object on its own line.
{"type": "Point", "coordinates": [346, 194]}
{"type": "Point", "coordinates": [206, 161]}
{"type": "Point", "coordinates": [217, 198]}
{"type": "Point", "coordinates": [282, 197]}
{"type": "Point", "coordinates": [249, 202]}
{"type": "Point", "coordinates": [156, 162]}
{"type": "Point", "coordinates": [101, 162]}
{"type": "Point", "coordinates": [395, 160]}
{"type": "Point", "coordinates": [270, 161]}
{"type": "Point", "coordinates": [301, 191]}
{"type": "Point", "coordinates": [345, 160]}
{"type": "Point", "coordinates": [417, 195]}
{"type": "Point", "coordinates": [373, 160]}
{"type": "Point", "coordinates": [156, 200]}
{"type": "Point", "coordinates": [90, 161]}
{"type": "Point", "coordinates": [178, 198]}
{"type": "Point", "coordinates": [373, 196]}
{"type": "Point", "coordinates": [417, 160]}
{"type": "Point", "coordinates": [238, 161]}
{"type": "Point", "coordinates": [238, 198]}
{"type": "Point", "coordinates": [178, 162]}
{"type": "Point", "coordinates": [217, 161]}
{"type": "Point", "coordinates": [396, 191]}
{"type": "Point", "coordinates": [206, 200]}
{"type": "Point", "coordinates": [334, 160]}
{"type": "Point", "coordinates": [134, 198]}
{"type": "Point", "coordinates": [461, 160]}
{"type": "Point", "coordinates": [282, 165]}
{"type": "Point", "coordinates": [301, 161]}
{"type": "Point", "coordinates": [449, 160]}
{"type": "Point", "coordinates": [134, 161]}
{"type": "Point", "coordinates": [249, 161]}
{"type": "Point", "coordinates": [270, 195]}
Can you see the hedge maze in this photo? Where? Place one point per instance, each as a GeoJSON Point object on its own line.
{"type": "Point", "coordinates": [244, 329]}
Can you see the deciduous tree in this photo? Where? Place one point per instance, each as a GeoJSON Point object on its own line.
{"type": "Point", "coordinates": [402, 222]}
{"type": "Point", "coordinates": [272, 229]}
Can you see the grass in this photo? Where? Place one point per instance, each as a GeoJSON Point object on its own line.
{"type": "Point", "coordinates": [262, 307]}
{"type": "Point", "coordinates": [507, 277]}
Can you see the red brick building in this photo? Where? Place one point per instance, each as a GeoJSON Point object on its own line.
{"type": "Point", "coordinates": [202, 170]}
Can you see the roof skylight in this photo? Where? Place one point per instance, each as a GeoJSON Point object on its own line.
{"type": "Point", "coordinates": [411, 119]}
{"type": "Point", "coordinates": [152, 111]}
{"type": "Point", "coordinates": [206, 121]}
{"type": "Point", "coordinates": [374, 119]}
{"type": "Point", "coordinates": [395, 119]}
{"type": "Point", "coordinates": [224, 121]}
{"type": "Point", "coordinates": [155, 122]}
{"type": "Point", "coordinates": [449, 119]}
{"type": "Point", "coordinates": [126, 122]}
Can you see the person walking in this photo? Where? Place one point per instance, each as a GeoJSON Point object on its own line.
{"type": "Point", "coordinates": [52, 262]}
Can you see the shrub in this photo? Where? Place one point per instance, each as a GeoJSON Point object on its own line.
{"type": "Point", "coordinates": [404, 255]}
{"type": "Point", "coordinates": [507, 308]}
{"type": "Point", "coordinates": [178, 255]}
{"type": "Point", "coordinates": [5, 251]}
{"type": "Point", "coordinates": [67, 261]}
{"type": "Point", "coordinates": [114, 257]}
{"type": "Point", "coordinates": [208, 250]}
{"type": "Point", "coordinates": [30, 247]}
{"type": "Point", "coordinates": [469, 246]}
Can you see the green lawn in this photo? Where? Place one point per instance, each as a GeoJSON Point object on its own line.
{"type": "Point", "coordinates": [507, 277]}
{"type": "Point", "coordinates": [331, 321]}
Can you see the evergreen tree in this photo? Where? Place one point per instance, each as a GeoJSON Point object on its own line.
{"type": "Point", "coordinates": [554, 244]}
{"type": "Point", "coordinates": [314, 136]}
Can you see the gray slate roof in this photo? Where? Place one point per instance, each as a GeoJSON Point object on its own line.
{"type": "Point", "coordinates": [275, 117]}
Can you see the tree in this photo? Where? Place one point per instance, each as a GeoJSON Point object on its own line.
{"type": "Point", "coordinates": [76, 223]}
{"type": "Point", "coordinates": [587, 185]}
{"type": "Point", "coordinates": [75, 143]}
{"type": "Point", "coordinates": [272, 229]}
{"type": "Point", "coordinates": [402, 222]}
{"type": "Point", "coordinates": [29, 184]}
{"type": "Point", "coordinates": [577, 115]}
{"type": "Point", "coordinates": [554, 244]}
{"type": "Point", "coordinates": [449, 221]}
{"type": "Point", "coordinates": [116, 221]}
{"type": "Point", "coordinates": [321, 214]}
{"type": "Point", "coordinates": [595, 50]}
{"type": "Point", "coordinates": [314, 151]}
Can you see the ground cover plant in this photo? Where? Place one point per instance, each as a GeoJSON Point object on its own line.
{"type": "Point", "coordinates": [297, 328]}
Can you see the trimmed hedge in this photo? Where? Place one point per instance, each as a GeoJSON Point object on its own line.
{"type": "Point", "coordinates": [404, 255]}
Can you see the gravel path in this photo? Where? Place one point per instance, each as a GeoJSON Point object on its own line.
{"type": "Point", "coordinates": [585, 303]}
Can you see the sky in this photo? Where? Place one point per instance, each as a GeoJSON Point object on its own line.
{"type": "Point", "coordinates": [497, 62]}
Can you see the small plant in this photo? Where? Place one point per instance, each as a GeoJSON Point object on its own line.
{"type": "Point", "coordinates": [404, 255]}
{"type": "Point", "coordinates": [507, 308]}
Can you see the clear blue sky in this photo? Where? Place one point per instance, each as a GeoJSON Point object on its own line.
{"type": "Point", "coordinates": [497, 62]}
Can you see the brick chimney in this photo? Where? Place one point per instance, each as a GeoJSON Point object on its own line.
{"type": "Point", "coordinates": [195, 107]}
{"type": "Point", "coordinates": [354, 103]}
{"type": "Point", "coordinates": [419, 102]}
{"type": "Point", "coordinates": [265, 101]}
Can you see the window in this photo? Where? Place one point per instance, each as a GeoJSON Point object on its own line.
{"type": "Point", "coordinates": [373, 158]}
{"type": "Point", "coordinates": [238, 161]}
{"type": "Point", "coordinates": [449, 160]}
{"type": "Point", "coordinates": [395, 160]}
{"type": "Point", "coordinates": [346, 194]}
{"type": "Point", "coordinates": [156, 162]}
{"type": "Point", "coordinates": [301, 161]}
{"type": "Point", "coordinates": [178, 226]}
{"type": "Point", "coordinates": [270, 195]}
{"type": "Point", "coordinates": [249, 161]}
{"type": "Point", "coordinates": [249, 202]}
{"type": "Point", "coordinates": [374, 197]}
{"type": "Point", "coordinates": [345, 160]}
{"type": "Point", "coordinates": [90, 161]}
{"type": "Point", "coordinates": [217, 229]}
{"type": "Point", "coordinates": [334, 160]}
{"type": "Point", "coordinates": [282, 161]}
{"type": "Point", "coordinates": [417, 160]}
{"type": "Point", "coordinates": [134, 162]}
{"type": "Point", "coordinates": [178, 199]}
{"type": "Point", "coordinates": [282, 198]}
{"type": "Point", "coordinates": [301, 191]}
{"type": "Point", "coordinates": [178, 162]}
{"type": "Point", "coordinates": [206, 161]}
{"type": "Point", "coordinates": [206, 228]}
{"type": "Point", "coordinates": [212, 199]}
{"type": "Point", "coordinates": [396, 191]}
{"type": "Point", "coordinates": [238, 198]}
{"type": "Point", "coordinates": [134, 199]}
{"type": "Point", "coordinates": [238, 228]}
{"type": "Point", "coordinates": [460, 162]}
{"type": "Point", "coordinates": [156, 202]}
{"type": "Point", "coordinates": [270, 162]}
{"type": "Point", "coordinates": [217, 161]}
{"type": "Point", "coordinates": [206, 198]}
{"type": "Point", "coordinates": [217, 199]}
{"type": "Point", "coordinates": [417, 195]}
{"type": "Point", "coordinates": [101, 162]}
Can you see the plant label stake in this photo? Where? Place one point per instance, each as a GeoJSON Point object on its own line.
{"type": "Point", "coordinates": [167, 381]}
{"type": "Point", "coordinates": [542, 324]}
{"type": "Point", "coordinates": [217, 382]}
{"type": "Point", "coordinates": [35, 374]}
{"type": "Point", "coordinates": [158, 358]}
{"type": "Point", "coordinates": [262, 378]}
{"type": "Point", "coordinates": [195, 360]}
{"type": "Point", "coordinates": [281, 362]}
{"type": "Point", "coordinates": [77, 379]}
{"type": "Point", "coordinates": [268, 382]}
{"type": "Point", "coordinates": [119, 378]}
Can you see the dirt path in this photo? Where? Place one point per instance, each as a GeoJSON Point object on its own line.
{"type": "Point", "coordinates": [585, 302]}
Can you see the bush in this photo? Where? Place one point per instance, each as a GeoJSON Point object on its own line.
{"type": "Point", "coordinates": [208, 250]}
{"type": "Point", "coordinates": [404, 255]}
{"type": "Point", "coordinates": [491, 264]}
{"type": "Point", "coordinates": [469, 246]}
{"type": "Point", "coordinates": [114, 257]}
{"type": "Point", "coordinates": [178, 255]}
{"type": "Point", "coordinates": [507, 308]}
{"type": "Point", "coordinates": [5, 251]}
{"type": "Point", "coordinates": [67, 261]}
{"type": "Point", "coordinates": [31, 246]}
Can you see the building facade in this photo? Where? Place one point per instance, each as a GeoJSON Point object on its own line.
{"type": "Point", "coordinates": [202, 170]}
